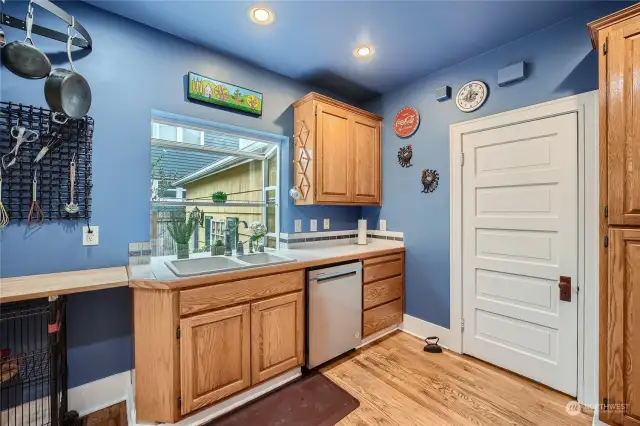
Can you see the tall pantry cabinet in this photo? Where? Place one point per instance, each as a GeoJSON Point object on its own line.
{"type": "Point", "coordinates": [617, 38]}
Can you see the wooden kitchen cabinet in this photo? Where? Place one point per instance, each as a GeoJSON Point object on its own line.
{"type": "Point", "coordinates": [617, 38]}
{"type": "Point", "coordinates": [382, 292]}
{"type": "Point", "coordinates": [623, 355]}
{"type": "Point", "coordinates": [337, 153]}
{"type": "Point", "coordinates": [277, 336]}
{"type": "Point", "coordinates": [215, 353]}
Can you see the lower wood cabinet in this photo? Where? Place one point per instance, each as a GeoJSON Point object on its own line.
{"type": "Point", "coordinates": [382, 292]}
{"type": "Point", "coordinates": [623, 328]}
{"type": "Point", "coordinates": [277, 336]}
{"type": "Point", "coordinates": [215, 353]}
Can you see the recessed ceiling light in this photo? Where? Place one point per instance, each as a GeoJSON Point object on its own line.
{"type": "Point", "coordinates": [261, 15]}
{"type": "Point", "coordinates": [363, 52]}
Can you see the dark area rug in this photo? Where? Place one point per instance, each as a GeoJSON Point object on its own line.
{"type": "Point", "coordinates": [312, 400]}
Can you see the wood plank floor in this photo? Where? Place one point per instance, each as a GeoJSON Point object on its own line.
{"type": "Point", "coordinates": [397, 383]}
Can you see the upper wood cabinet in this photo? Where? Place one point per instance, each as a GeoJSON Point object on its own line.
{"type": "Point", "coordinates": [618, 37]}
{"type": "Point", "coordinates": [623, 331]}
{"type": "Point", "coordinates": [337, 153]}
{"type": "Point", "coordinates": [215, 356]}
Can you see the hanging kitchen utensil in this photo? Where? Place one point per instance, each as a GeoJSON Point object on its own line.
{"type": "Point", "coordinates": [66, 91]}
{"type": "Point", "coordinates": [72, 208]}
{"type": "Point", "coordinates": [54, 139]}
{"type": "Point", "coordinates": [23, 58]}
{"type": "Point", "coordinates": [21, 135]}
{"type": "Point", "coordinates": [36, 215]}
{"type": "Point", "coordinates": [4, 216]}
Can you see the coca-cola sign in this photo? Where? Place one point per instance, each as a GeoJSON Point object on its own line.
{"type": "Point", "coordinates": [406, 122]}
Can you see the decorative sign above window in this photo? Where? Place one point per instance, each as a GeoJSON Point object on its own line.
{"type": "Point", "coordinates": [211, 91]}
{"type": "Point", "coordinates": [406, 122]}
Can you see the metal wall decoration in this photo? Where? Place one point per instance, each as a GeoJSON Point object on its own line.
{"type": "Point", "coordinates": [406, 122]}
{"type": "Point", "coordinates": [404, 156]}
{"type": "Point", "coordinates": [430, 180]}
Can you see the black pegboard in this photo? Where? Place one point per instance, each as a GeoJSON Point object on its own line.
{"type": "Point", "coordinates": [53, 169]}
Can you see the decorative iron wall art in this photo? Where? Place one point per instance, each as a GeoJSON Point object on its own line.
{"type": "Point", "coordinates": [406, 122]}
{"type": "Point", "coordinates": [430, 180]}
{"type": "Point", "coordinates": [404, 156]}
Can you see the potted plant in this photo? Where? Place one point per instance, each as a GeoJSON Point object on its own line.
{"type": "Point", "coordinates": [219, 197]}
{"type": "Point", "coordinates": [181, 231]}
{"type": "Point", "coordinates": [217, 249]}
{"type": "Point", "coordinates": [258, 231]}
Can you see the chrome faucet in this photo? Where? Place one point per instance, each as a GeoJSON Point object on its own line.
{"type": "Point", "coordinates": [227, 240]}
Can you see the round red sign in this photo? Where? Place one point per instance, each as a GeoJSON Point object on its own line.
{"type": "Point", "coordinates": [406, 122]}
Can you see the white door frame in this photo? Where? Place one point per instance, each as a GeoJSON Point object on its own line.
{"type": "Point", "coordinates": [586, 107]}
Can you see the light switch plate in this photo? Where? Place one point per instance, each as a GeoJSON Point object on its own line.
{"type": "Point", "coordinates": [326, 223]}
{"type": "Point", "coordinates": [383, 225]}
{"type": "Point", "coordinates": [90, 239]}
{"type": "Point", "coordinates": [298, 225]}
{"type": "Point", "coordinates": [313, 225]}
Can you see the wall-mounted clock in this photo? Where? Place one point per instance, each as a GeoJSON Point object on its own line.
{"type": "Point", "coordinates": [471, 96]}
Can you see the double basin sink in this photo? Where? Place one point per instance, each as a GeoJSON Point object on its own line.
{"type": "Point", "coordinates": [218, 264]}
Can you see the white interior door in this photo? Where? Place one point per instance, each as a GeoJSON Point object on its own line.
{"type": "Point", "coordinates": [519, 230]}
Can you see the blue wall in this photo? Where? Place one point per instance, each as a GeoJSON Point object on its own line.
{"type": "Point", "coordinates": [132, 70]}
{"type": "Point", "coordinates": [560, 62]}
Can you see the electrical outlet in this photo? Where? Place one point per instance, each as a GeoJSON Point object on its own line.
{"type": "Point", "coordinates": [383, 225]}
{"type": "Point", "coordinates": [90, 238]}
{"type": "Point", "coordinates": [298, 225]}
{"type": "Point", "coordinates": [313, 226]}
{"type": "Point", "coordinates": [326, 224]}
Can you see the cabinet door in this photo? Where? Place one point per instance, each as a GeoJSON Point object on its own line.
{"type": "Point", "coordinates": [623, 327]}
{"type": "Point", "coordinates": [366, 160]}
{"type": "Point", "coordinates": [277, 336]}
{"type": "Point", "coordinates": [215, 356]}
{"type": "Point", "coordinates": [333, 180]}
{"type": "Point", "coordinates": [623, 130]}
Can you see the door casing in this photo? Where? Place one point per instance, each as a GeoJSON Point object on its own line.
{"type": "Point", "coordinates": [586, 107]}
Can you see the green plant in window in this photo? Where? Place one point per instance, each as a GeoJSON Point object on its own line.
{"type": "Point", "coordinates": [218, 248]}
{"type": "Point", "coordinates": [219, 197]}
{"type": "Point", "coordinates": [181, 231]}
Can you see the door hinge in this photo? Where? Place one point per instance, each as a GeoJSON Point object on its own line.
{"type": "Point", "coordinates": [179, 402]}
{"type": "Point", "coordinates": [605, 47]}
{"type": "Point", "coordinates": [606, 211]}
{"type": "Point", "coordinates": [606, 241]}
{"type": "Point", "coordinates": [462, 159]}
{"type": "Point", "coordinates": [178, 333]}
{"type": "Point", "coordinates": [605, 404]}
{"type": "Point", "coordinates": [461, 324]}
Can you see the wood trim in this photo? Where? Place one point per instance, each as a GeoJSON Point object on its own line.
{"type": "Point", "coordinates": [156, 355]}
{"type": "Point", "coordinates": [45, 285]}
{"type": "Point", "coordinates": [599, 24]}
{"type": "Point", "coordinates": [314, 96]}
{"type": "Point", "coordinates": [185, 283]}
{"type": "Point", "coordinates": [241, 291]}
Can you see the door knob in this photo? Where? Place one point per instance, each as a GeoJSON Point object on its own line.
{"type": "Point", "coordinates": [565, 289]}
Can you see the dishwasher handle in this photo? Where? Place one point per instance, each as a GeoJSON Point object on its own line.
{"type": "Point", "coordinates": [333, 275]}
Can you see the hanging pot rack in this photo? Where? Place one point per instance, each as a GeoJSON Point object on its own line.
{"type": "Point", "coordinates": [85, 43]}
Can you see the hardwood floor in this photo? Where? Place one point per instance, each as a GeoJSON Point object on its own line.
{"type": "Point", "coordinates": [397, 383]}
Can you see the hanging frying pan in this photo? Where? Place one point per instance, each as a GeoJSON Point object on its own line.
{"type": "Point", "coordinates": [66, 91]}
{"type": "Point", "coordinates": [23, 58]}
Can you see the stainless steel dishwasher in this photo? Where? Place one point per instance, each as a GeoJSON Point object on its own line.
{"type": "Point", "coordinates": [334, 312]}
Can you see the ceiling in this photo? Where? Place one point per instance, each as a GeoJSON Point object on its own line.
{"type": "Point", "coordinates": [313, 40]}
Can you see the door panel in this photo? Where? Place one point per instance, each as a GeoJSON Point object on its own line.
{"type": "Point", "coordinates": [624, 125]}
{"type": "Point", "coordinates": [333, 162]}
{"type": "Point", "coordinates": [520, 210]}
{"type": "Point", "coordinates": [366, 160]}
{"type": "Point", "coordinates": [215, 356]}
{"type": "Point", "coordinates": [624, 325]}
{"type": "Point", "coordinates": [277, 335]}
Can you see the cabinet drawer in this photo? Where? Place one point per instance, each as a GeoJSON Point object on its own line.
{"type": "Point", "coordinates": [381, 271]}
{"type": "Point", "coordinates": [382, 259]}
{"type": "Point", "coordinates": [234, 292]}
{"type": "Point", "coordinates": [382, 317]}
{"type": "Point", "coordinates": [380, 292]}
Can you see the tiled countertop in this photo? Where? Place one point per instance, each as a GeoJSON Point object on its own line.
{"type": "Point", "coordinates": [158, 275]}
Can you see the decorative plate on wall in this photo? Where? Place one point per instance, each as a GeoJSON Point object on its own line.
{"type": "Point", "coordinates": [406, 122]}
{"type": "Point", "coordinates": [471, 96]}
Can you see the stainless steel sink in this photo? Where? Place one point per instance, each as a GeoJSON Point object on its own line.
{"type": "Point", "coordinates": [204, 265]}
{"type": "Point", "coordinates": [218, 264]}
{"type": "Point", "coordinates": [260, 259]}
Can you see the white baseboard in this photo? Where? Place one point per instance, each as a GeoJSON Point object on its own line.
{"type": "Point", "coordinates": [421, 328]}
{"type": "Point", "coordinates": [102, 393]}
{"type": "Point", "coordinates": [378, 335]}
{"type": "Point", "coordinates": [235, 401]}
